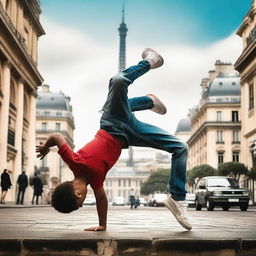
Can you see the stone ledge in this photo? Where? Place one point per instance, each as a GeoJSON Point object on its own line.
{"type": "Point", "coordinates": [128, 247]}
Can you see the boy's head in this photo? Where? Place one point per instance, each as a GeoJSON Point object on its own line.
{"type": "Point", "coordinates": [69, 196]}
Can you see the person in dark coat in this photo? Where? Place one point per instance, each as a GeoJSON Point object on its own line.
{"type": "Point", "coordinates": [38, 188]}
{"type": "Point", "coordinates": [23, 183]}
{"type": "Point", "coordinates": [5, 184]}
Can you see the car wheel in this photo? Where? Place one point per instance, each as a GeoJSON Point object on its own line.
{"type": "Point", "coordinates": [225, 207]}
{"type": "Point", "coordinates": [244, 207]}
{"type": "Point", "coordinates": [198, 206]}
{"type": "Point", "coordinates": [155, 204]}
{"type": "Point", "coordinates": [209, 205]}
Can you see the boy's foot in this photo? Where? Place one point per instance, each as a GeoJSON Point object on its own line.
{"type": "Point", "coordinates": [179, 211]}
{"type": "Point", "coordinates": [153, 57]}
{"type": "Point", "coordinates": [159, 106]}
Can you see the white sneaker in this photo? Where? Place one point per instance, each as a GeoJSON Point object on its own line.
{"type": "Point", "coordinates": [159, 106]}
{"type": "Point", "coordinates": [179, 211]}
{"type": "Point", "coordinates": [153, 57]}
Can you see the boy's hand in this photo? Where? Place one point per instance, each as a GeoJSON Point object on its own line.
{"type": "Point", "coordinates": [42, 151]}
{"type": "Point", "coordinates": [99, 228]}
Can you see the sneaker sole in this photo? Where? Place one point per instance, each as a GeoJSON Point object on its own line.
{"type": "Point", "coordinates": [177, 217]}
{"type": "Point", "coordinates": [144, 55]}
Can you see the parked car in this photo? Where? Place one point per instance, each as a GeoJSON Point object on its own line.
{"type": "Point", "coordinates": [220, 191]}
{"type": "Point", "coordinates": [119, 200]}
{"type": "Point", "coordinates": [90, 200]}
{"type": "Point", "coordinates": [157, 200]}
{"type": "Point", "coordinates": [190, 199]}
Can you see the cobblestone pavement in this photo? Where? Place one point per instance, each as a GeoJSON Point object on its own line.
{"type": "Point", "coordinates": [146, 222]}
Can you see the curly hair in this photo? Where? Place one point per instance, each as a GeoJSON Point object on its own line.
{"type": "Point", "coordinates": [63, 198]}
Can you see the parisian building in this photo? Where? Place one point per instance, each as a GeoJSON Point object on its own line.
{"type": "Point", "coordinates": [20, 29]}
{"type": "Point", "coordinates": [246, 65]}
{"type": "Point", "coordinates": [216, 120]}
{"type": "Point", "coordinates": [53, 114]}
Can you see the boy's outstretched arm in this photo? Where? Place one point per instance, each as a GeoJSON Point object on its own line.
{"type": "Point", "coordinates": [55, 139]}
{"type": "Point", "coordinates": [102, 209]}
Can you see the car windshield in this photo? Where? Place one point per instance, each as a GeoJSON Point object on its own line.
{"type": "Point", "coordinates": [222, 182]}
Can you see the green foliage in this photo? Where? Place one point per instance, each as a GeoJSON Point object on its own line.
{"type": "Point", "coordinates": [199, 172]}
{"type": "Point", "coordinates": [252, 173]}
{"type": "Point", "coordinates": [232, 169]}
{"type": "Point", "coordinates": [156, 182]}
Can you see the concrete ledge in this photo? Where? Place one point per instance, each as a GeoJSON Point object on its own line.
{"type": "Point", "coordinates": [127, 247]}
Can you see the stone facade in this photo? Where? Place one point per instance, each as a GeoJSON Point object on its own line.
{"type": "Point", "coordinates": [246, 65]}
{"type": "Point", "coordinates": [20, 29]}
{"type": "Point", "coordinates": [215, 122]}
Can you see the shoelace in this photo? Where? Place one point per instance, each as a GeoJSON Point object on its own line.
{"type": "Point", "coordinates": [183, 209]}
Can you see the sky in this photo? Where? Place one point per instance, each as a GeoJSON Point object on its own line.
{"type": "Point", "coordinates": [79, 52]}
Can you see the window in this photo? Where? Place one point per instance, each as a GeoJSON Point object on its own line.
{"type": "Point", "coordinates": [236, 136]}
{"type": "Point", "coordinates": [124, 181]}
{"type": "Point", "coordinates": [219, 113]}
{"type": "Point", "coordinates": [129, 183]}
{"type": "Point", "coordinates": [220, 157]}
{"type": "Point", "coordinates": [44, 126]}
{"type": "Point", "coordinates": [235, 116]}
{"type": "Point", "coordinates": [251, 96]}
{"type": "Point", "coordinates": [219, 136]}
{"type": "Point", "coordinates": [235, 156]}
{"type": "Point", "coordinates": [47, 113]}
{"type": "Point", "coordinates": [119, 183]}
{"type": "Point", "coordinates": [57, 127]}
{"type": "Point", "coordinates": [58, 114]}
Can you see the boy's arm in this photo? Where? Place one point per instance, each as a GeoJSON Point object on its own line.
{"type": "Point", "coordinates": [55, 139]}
{"type": "Point", "coordinates": [102, 209]}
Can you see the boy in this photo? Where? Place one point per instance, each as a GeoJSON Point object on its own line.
{"type": "Point", "coordinates": [119, 129]}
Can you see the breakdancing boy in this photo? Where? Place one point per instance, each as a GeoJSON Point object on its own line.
{"type": "Point", "coordinates": [119, 129]}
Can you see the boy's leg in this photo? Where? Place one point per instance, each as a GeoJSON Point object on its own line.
{"type": "Point", "coordinates": [117, 104]}
{"type": "Point", "coordinates": [147, 135]}
{"type": "Point", "coordinates": [149, 101]}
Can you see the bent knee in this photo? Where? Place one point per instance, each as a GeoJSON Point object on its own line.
{"type": "Point", "coordinates": [117, 80]}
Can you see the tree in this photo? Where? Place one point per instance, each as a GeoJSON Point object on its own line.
{"type": "Point", "coordinates": [156, 182]}
{"type": "Point", "coordinates": [199, 172]}
{"type": "Point", "coordinates": [232, 169]}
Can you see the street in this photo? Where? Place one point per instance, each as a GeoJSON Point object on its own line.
{"type": "Point", "coordinates": [15, 221]}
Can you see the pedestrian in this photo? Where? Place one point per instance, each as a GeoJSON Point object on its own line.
{"type": "Point", "coordinates": [5, 184]}
{"type": "Point", "coordinates": [23, 183]}
{"type": "Point", "coordinates": [132, 198]}
{"type": "Point", "coordinates": [38, 188]}
{"type": "Point", "coordinates": [119, 129]}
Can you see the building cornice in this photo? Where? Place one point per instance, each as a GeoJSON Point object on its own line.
{"type": "Point", "coordinates": [216, 125]}
{"type": "Point", "coordinates": [247, 56]}
{"type": "Point", "coordinates": [207, 105]}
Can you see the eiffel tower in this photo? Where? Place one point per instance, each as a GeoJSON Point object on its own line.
{"type": "Point", "coordinates": [122, 65]}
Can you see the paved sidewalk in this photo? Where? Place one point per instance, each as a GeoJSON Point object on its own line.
{"type": "Point", "coordinates": [145, 231]}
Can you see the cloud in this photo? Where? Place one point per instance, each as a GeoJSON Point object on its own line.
{"type": "Point", "coordinates": [81, 67]}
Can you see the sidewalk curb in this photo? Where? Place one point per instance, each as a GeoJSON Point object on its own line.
{"type": "Point", "coordinates": [128, 247]}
